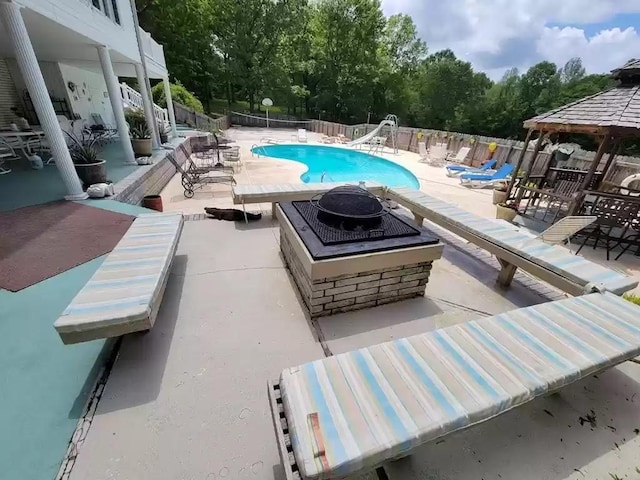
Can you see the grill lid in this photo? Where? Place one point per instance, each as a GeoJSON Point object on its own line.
{"type": "Point", "coordinates": [349, 201]}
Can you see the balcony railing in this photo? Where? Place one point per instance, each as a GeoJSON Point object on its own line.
{"type": "Point", "coordinates": [152, 49]}
{"type": "Point", "coordinates": [132, 99]}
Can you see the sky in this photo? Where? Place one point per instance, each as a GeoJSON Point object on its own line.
{"type": "Point", "coordinates": [496, 35]}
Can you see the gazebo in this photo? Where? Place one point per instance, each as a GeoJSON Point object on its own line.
{"type": "Point", "coordinates": [557, 191]}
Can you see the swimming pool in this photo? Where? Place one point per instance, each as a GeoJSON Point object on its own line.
{"type": "Point", "coordinates": [341, 165]}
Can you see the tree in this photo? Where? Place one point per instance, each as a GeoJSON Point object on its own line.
{"type": "Point", "coordinates": [572, 71]}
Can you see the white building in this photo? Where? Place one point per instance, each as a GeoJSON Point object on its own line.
{"type": "Point", "coordinates": [62, 58]}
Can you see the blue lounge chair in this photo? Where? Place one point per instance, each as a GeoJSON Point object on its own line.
{"type": "Point", "coordinates": [455, 170]}
{"type": "Point", "coordinates": [480, 180]}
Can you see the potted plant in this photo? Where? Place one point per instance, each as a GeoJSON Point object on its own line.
{"type": "Point", "coordinates": [84, 155]}
{"type": "Point", "coordinates": [139, 132]}
{"type": "Point", "coordinates": [506, 211]}
{"type": "Point", "coordinates": [500, 194]}
{"type": "Point", "coordinates": [163, 131]}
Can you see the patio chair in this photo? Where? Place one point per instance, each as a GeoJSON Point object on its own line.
{"type": "Point", "coordinates": [101, 130]}
{"type": "Point", "coordinates": [422, 151]}
{"type": "Point", "coordinates": [633, 239]}
{"type": "Point", "coordinates": [193, 179]}
{"type": "Point", "coordinates": [461, 156]}
{"type": "Point", "coordinates": [232, 157]}
{"type": "Point", "coordinates": [302, 135]}
{"type": "Point", "coordinates": [562, 230]}
{"type": "Point", "coordinates": [437, 155]}
{"type": "Point", "coordinates": [614, 218]}
{"type": "Point", "coordinates": [480, 180]}
{"type": "Point", "coordinates": [455, 170]}
{"type": "Point", "coordinates": [6, 152]}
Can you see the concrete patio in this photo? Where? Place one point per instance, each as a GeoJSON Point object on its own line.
{"type": "Point", "coordinates": [188, 399]}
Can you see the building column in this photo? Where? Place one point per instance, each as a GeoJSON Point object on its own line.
{"type": "Point", "coordinates": [30, 70]}
{"type": "Point", "coordinates": [147, 103]}
{"type": "Point", "coordinates": [116, 104]}
{"type": "Point", "coordinates": [172, 115]}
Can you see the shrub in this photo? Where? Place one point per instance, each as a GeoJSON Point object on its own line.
{"type": "Point", "coordinates": [179, 94]}
{"type": "Point", "coordinates": [632, 298]}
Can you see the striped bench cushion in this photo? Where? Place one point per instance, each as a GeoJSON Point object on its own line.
{"type": "Point", "coordinates": [247, 193]}
{"type": "Point", "coordinates": [124, 293]}
{"type": "Point", "coordinates": [552, 257]}
{"type": "Point", "coordinates": [371, 405]}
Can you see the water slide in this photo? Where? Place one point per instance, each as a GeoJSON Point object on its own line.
{"type": "Point", "coordinates": [364, 139]}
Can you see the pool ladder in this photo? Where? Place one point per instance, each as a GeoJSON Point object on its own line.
{"type": "Point", "coordinates": [326, 175]}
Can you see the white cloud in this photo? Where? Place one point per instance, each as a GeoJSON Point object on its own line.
{"type": "Point", "coordinates": [495, 35]}
{"type": "Point", "coordinates": [601, 53]}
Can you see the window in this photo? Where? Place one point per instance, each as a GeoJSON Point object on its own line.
{"type": "Point", "coordinates": [114, 10]}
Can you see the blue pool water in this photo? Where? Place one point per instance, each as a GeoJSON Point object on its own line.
{"type": "Point", "coordinates": [341, 165]}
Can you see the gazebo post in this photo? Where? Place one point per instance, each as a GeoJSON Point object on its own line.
{"type": "Point", "coordinates": [534, 157]}
{"type": "Point", "coordinates": [615, 148]}
{"type": "Point", "coordinates": [514, 176]}
{"type": "Point", "coordinates": [602, 149]}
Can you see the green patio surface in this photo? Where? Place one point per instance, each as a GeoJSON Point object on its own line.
{"type": "Point", "coordinates": [44, 384]}
{"type": "Point", "coordinates": [24, 186]}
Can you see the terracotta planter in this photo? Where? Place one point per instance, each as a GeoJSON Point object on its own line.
{"type": "Point", "coordinates": [499, 196]}
{"type": "Point", "coordinates": [91, 173]}
{"type": "Point", "coordinates": [142, 146]}
{"type": "Point", "coordinates": [504, 213]}
{"type": "Point", "coordinates": [154, 202]}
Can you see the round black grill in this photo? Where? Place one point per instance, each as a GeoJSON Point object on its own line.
{"type": "Point", "coordinates": [349, 208]}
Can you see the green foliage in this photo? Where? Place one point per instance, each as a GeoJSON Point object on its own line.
{"type": "Point", "coordinates": [632, 297]}
{"type": "Point", "coordinates": [343, 60]}
{"type": "Point", "coordinates": [83, 148]}
{"type": "Point", "coordinates": [138, 128]}
{"type": "Point", "coordinates": [179, 94]}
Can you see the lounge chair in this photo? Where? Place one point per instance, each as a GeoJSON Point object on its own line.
{"type": "Point", "coordinates": [193, 178]}
{"type": "Point", "coordinates": [514, 248]}
{"type": "Point", "coordinates": [350, 413]}
{"type": "Point", "coordinates": [461, 156]}
{"type": "Point", "coordinates": [482, 180]}
{"type": "Point", "coordinates": [302, 135]}
{"type": "Point", "coordinates": [455, 170]}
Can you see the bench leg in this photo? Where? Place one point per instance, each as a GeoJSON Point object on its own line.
{"type": "Point", "coordinates": [506, 273]}
{"type": "Point", "coordinates": [273, 211]}
{"type": "Point", "coordinates": [419, 219]}
{"type": "Point", "coordinates": [244, 211]}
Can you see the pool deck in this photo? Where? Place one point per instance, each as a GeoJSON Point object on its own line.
{"type": "Point", "coordinates": [188, 399]}
{"type": "Point", "coordinates": [264, 170]}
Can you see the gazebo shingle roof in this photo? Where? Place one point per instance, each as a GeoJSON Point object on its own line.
{"type": "Point", "coordinates": [616, 107]}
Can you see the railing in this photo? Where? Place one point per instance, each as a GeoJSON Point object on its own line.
{"type": "Point", "coordinates": [132, 99]}
{"type": "Point", "coordinates": [152, 49]}
{"type": "Point", "coordinates": [199, 120]}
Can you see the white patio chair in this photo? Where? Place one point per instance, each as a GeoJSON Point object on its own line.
{"type": "Point", "coordinates": [563, 230]}
{"type": "Point", "coordinates": [460, 156]}
{"type": "Point", "coordinates": [422, 151]}
{"type": "Point", "coordinates": [302, 135]}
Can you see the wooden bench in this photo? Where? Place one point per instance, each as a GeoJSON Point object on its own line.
{"type": "Point", "coordinates": [124, 294]}
{"type": "Point", "coordinates": [288, 192]}
{"type": "Point", "coordinates": [514, 249]}
{"type": "Point", "coordinates": [350, 413]}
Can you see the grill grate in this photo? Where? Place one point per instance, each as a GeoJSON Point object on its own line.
{"type": "Point", "coordinates": [391, 227]}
